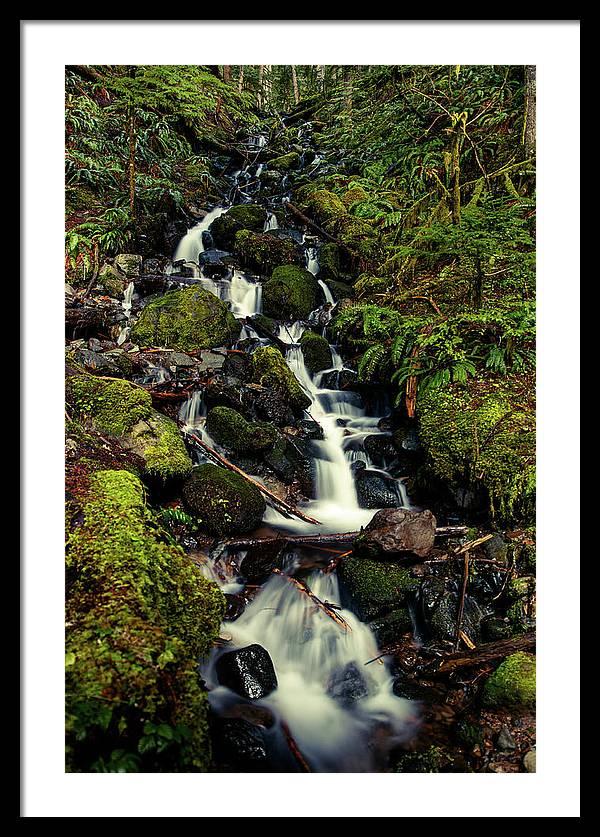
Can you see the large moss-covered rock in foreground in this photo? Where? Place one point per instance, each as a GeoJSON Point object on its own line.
{"type": "Point", "coordinates": [244, 217]}
{"type": "Point", "coordinates": [121, 409]}
{"type": "Point", "coordinates": [270, 370]}
{"type": "Point", "coordinates": [291, 293]}
{"type": "Point", "coordinates": [287, 162]}
{"type": "Point", "coordinates": [225, 503]}
{"type": "Point", "coordinates": [139, 614]}
{"type": "Point", "coordinates": [230, 428]}
{"type": "Point", "coordinates": [316, 351]}
{"type": "Point", "coordinates": [263, 252]}
{"type": "Point", "coordinates": [375, 588]}
{"type": "Point", "coordinates": [189, 319]}
{"type": "Point", "coordinates": [512, 684]}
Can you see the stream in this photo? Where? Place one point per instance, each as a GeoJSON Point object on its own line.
{"type": "Point", "coordinates": [342, 714]}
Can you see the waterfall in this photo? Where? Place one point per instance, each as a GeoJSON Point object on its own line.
{"type": "Point", "coordinates": [191, 245]}
{"type": "Point", "coordinates": [127, 303]}
{"type": "Point", "coordinates": [271, 223]}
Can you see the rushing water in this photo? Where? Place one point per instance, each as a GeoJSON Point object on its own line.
{"type": "Point", "coordinates": [310, 651]}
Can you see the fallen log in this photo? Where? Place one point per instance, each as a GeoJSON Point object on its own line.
{"type": "Point", "coordinates": [306, 220]}
{"type": "Point", "coordinates": [324, 606]}
{"type": "Point", "coordinates": [338, 537]}
{"type": "Point", "coordinates": [482, 654]}
{"type": "Point", "coordinates": [277, 503]}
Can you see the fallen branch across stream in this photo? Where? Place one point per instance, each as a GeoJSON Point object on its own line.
{"type": "Point", "coordinates": [306, 220]}
{"type": "Point", "coordinates": [294, 749]}
{"type": "Point", "coordinates": [328, 609]}
{"type": "Point", "coordinates": [482, 654]}
{"type": "Point", "coordinates": [337, 537]}
{"type": "Point", "coordinates": [276, 502]}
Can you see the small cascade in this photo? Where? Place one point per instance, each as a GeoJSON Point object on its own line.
{"type": "Point", "coordinates": [127, 303]}
{"type": "Point", "coordinates": [192, 244]}
{"type": "Point", "coordinates": [271, 223]}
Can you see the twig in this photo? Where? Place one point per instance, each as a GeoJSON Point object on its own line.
{"type": "Point", "coordinates": [295, 750]}
{"type": "Point", "coordinates": [324, 606]}
{"type": "Point", "coordinates": [461, 605]}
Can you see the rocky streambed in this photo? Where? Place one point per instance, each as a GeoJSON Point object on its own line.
{"type": "Point", "coordinates": [345, 621]}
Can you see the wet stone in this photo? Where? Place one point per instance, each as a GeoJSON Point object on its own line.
{"type": "Point", "coordinates": [261, 560]}
{"type": "Point", "coordinates": [347, 685]}
{"type": "Point", "coordinates": [238, 745]}
{"type": "Point", "coordinates": [247, 671]}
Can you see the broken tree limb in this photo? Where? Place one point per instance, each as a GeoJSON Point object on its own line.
{"type": "Point", "coordinates": [461, 605]}
{"type": "Point", "coordinates": [277, 503]}
{"type": "Point", "coordinates": [328, 609]}
{"type": "Point", "coordinates": [294, 749]}
{"type": "Point", "coordinates": [482, 654]}
{"type": "Point", "coordinates": [306, 220]}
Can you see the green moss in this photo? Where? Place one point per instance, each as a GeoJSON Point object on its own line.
{"type": "Point", "coordinates": [388, 629]}
{"type": "Point", "coordinates": [139, 613]}
{"type": "Point", "coordinates": [513, 683]}
{"type": "Point", "coordinates": [426, 761]}
{"type": "Point", "coordinates": [230, 428]}
{"type": "Point", "coordinates": [469, 735]}
{"type": "Point", "coordinates": [316, 351]}
{"type": "Point", "coordinates": [340, 290]}
{"type": "Point", "coordinates": [375, 587]}
{"type": "Point", "coordinates": [291, 293]}
{"type": "Point", "coordinates": [263, 252]}
{"type": "Point", "coordinates": [286, 162]}
{"type": "Point", "coordinates": [189, 319]}
{"type": "Point", "coordinates": [270, 370]}
{"type": "Point", "coordinates": [159, 442]}
{"type": "Point", "coordinates": [481, 440]}
{"type": "Point", "coordinates": [352, 196]}
{"type": "Point", "coordinates": [113, 406]}
{"type": "Point", "coordinates": [243, 217]}
{"type": "Point", "coordinates": [225, 503]}
{"type": "Point", "coordinates": [324, 206]}
{"type": "Point", "coordinates": [111, 281]}
{"type": "Point", "coordinates": [269, 325]}
{"type": "Point", "coordinates": [329, 262]}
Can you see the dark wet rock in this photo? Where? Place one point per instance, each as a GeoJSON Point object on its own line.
{"type": "Point", "coordinates": [129, 264]}
{"type": "Point", "coordinates": [283, 232]}
{"type": "Point", "coordinates": [505, 740]}
{"type": "Point", "coordinates": [380, 448]}
{"type": "Point", "coordinates": [393, 531]}
{"type": "Point", "coordinates": [219, 393]}
{"type": "Point", "coordinates": [415, 689]}
{"type": "Point", "coordinates": [373, 589]}
{"type": "Point", "coordinates": [209, 361]}
{"type": "Point", "coordinates": [495, 628]}
{"type": "Point", "coordinates": [439, 606]}
{"type": "Point", "coordinates": [347, 685]}
{"type": "Point", "coordinates": [97, 363]}
{"type": "Point", "coordinates": [339, 379]}
{"type": "Point", "coordinates": [183, 270]}
{"type": "Point", "coordinates": [95, 345]}
{"type": "Point", "coordinates": [234, 606]}
{"type": "Point", "coordinates": [247, 671]}
{"type": "Point", "coordinates": [291, 460]}
{"type": "Point", "coordinates": [238, 745]}
{"type": "Point", "coordinates": [406, 440]}
{"type": "Point", "coordinates": [237, 365]}
{"type": "Point", "coordinates": [358, 465]}
{"type": "Point", "coordinates": [215, 263]}
{"type": "Point", "coordinates": [310, 429]}
{"type": "Point", "coordinates": [496, 549]}
{"type": "Point", "coordinates": [261, 560]}
{"type": "Point", "coordinates": [271, 405]}
{"type": "Point", "coordinates": [375, 490]}
{"type": "Point", "coordinates": [388, 629]}
{"type": "Point", "coordinates": [265, 326]}
{"type": "Point", "coordinates": [154, 265]}
{"type": "Point", "coordinates": [207, 240]}
{"type": "Point", "coordinates": [258, 716]}
{"type": "Point", "coordinates": [170, 360]}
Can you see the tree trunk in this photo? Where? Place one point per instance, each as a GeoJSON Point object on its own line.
{"type": "Point", "coordinates": [320, 69]}
{"type": "Point", "coordinates": [241, 79]}
{"type": "Point", "coordinates": [529, 126]}
{"type": "Point", "coordinates": [226, 73]}
{"type": "Point", "coordinates": [455, 165]}
{"type": "Point", "coordinates": [295, 85]}
{"type": "Point", "coordinates": [267, 85]}
{"type": "Point", "coordinates": [348, 89]}
{"type": "Point", "coordinates": [259, 95]}
{"type": "Point", "coordinates": [132, 144]}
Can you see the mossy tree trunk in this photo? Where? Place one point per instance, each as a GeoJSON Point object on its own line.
{"type": "Point", "coordinates": [226, 73]}
{"type": "Point", "coordinates": [241, 79]}
{"type": "Point", "coordinates": [295, 85]}
{"type": "Point", "coordinates": [459, 122]}
{"type": "Point", "coordinates": [132, 145]}
{"type": "Point", "coordinates": [529, 126]}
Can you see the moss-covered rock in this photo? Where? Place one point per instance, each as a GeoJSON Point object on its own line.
{"type": "Point", "coordinates": [244, 217]}
{"type": "Point", "coordinates": [287, 162]}
{"type": "Point", "coordinates": [225, 503]}
{"type": "Point", "coordinates": [111, 281]}
{"type": "Point", "coordinates": [129, 264]}
{"type": "Point", "coordinates": [375, 588]}
{"type": "Point", "coordinates": [329, 262]}
{"type": "Point", "coordinates": [481, 440]}
{"type": "Point", "coordinates": [388, 629]}
{"type": "Point", "coordinates": [430, 760]}
{"type": "Point", "coordinates": [230, 428]}
{"type": "Point", "coordinates": [263, 252]}
{"type": "Point", "coordinates": [121, 409]}
{"type": "Point", "coordinates": [353, 196]}
{"type": "Point", "coordinates": [189, 319]}
{"type": "Point", "coordinates": [325, 207]}
{"type": "Point", "coordinates": [266, 324]}
{"type": "Point", "coordinates": [512, 684]}
{"type": "Point", "coordinates": [270, 370]}
{"type": "Point", "coordinates": [291, 293]}
{"type": "Point", "coordinates": [316, 351]}
{"type": "Point", "coordinates": [139, 613]}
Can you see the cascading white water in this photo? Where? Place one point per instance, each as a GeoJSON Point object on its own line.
{"type": "Point", "coordinates": [271, 223]}
{"type": "Point", "coordinates": [311, 653]}
{"type": "Point", "coordinates": [126, 304]}
{"type": "Point", "coordinates": [191, 245]}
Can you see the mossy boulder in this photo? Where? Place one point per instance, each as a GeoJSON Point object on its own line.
{"type": "Point", "coordinates": [121, 409]}
{"type": "Point", "coordinates": [270, 370]}
{"type": "Point", "coordinates": [287, 162]}
{"type": "Point", "coordinates": [316, 351]}
{"type": "Point", "coordinates": [139, 614]}
{"type": "Point", "coordinates": [291, 293]}
{"type": "Point", "coordinates": [189, 319]}
{"type": "Point", "coordinates": [388, 629]}
{"type": "Point", "coordinates": [512, 684]}
{"type": "Point", "coordinates": [111, 281]}
{"type": "Point", "coordinates": [263, 252]}
{"type": "Point", "coordinates": [324, 206]}
{"type": "Point", "coordinates": [477, 438]}
{"type": "Point", "coordinates": [224, 502]}
{"type": "Point", "coordinates": [129, 264]}
{"type": "Point", "coordinates": [353, 196]}
{"type": "Point", "coordinates": [329, 262]}
{"type": "Point", "coordinates": [375, 588]}
{"type": "Point", "coordinates": [244, 217]}
{"type": "Point", "coordinates": [230, 428]}
{"type": "Point", "coordinates": [266, 325]}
